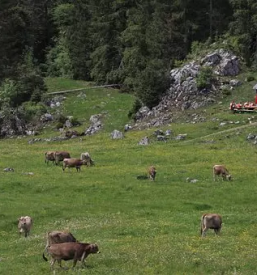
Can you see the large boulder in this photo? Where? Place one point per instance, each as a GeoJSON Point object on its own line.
{"type": "Point", "coordinates": [117, 135]}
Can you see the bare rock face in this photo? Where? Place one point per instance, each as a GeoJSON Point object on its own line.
{"type": "Point", "coordinates": [184, 94]}
{"type": "Point", "coordinates": [12, 126]}
{"type": "Point", "coordinates": [96, 124]}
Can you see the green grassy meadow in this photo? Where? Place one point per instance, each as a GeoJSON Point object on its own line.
{"type": "Point", "coordinates": [141, 227]}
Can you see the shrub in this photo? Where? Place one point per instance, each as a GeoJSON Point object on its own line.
{"type": "Point", "coordinates": [249, 78]}
{"type": "Point", "coordinates": [31, 110]}
{"type": "Point", "coordinates": [74, 121]}
{"type": "Point", "coordinates": [136, 106]}
{"type": "Point", "coordinates": [204, 78]}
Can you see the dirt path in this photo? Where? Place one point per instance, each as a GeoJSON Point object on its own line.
{"type": "Point", "coordinates": [222, 132]}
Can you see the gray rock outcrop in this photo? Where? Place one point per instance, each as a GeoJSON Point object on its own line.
{"type": "Point", "coordinates": [184, 93]}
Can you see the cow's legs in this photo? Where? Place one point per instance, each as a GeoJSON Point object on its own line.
{"type": "Point", "coordinates": [204, 231]}
{"type": "Point", "coordinates": [52, 263]}
{"type": "Point", "coordinates": [83, 259]}
{"type": "Point", "coordinates": [214, 176]}
{"type": "Point", "coordinates": [217, 230]}
{"type": "Point", "coordinates": [60, 262]}
{"type": "Point", "coordinates": [74, 262]}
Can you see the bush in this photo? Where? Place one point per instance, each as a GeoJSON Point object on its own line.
{"type": "Point", "coordinates": [61, 119]}
{"type": "Point", "coordinates": [32, 110]}
{"type": "Point", "coordinates": [204, 78]}
{"type": "Point", "coordinates": [249, 78]}
{"type": "Point", "coordinates": [28, 87]}
{"type": "Point", "coordinates": [136, 106]}
{"type": "Point", "coordinates": [74, 121]}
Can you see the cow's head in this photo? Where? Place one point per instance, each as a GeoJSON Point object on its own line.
{"type": "Point", "coordinates": [93, 248]}
{"type": "Point", "coordinates": [228, 177]}
{"type": "Point", "coordinates": [22, 222]}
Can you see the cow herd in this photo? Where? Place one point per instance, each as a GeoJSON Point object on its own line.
{"type": "Point", "coordinates": [64, 246]}
{"type": "Point", "coordinates": [57, 156]}
{"type": "Point", "coordinates": [60, 245]}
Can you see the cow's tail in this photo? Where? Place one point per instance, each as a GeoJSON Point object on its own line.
{"type": "Point", "coordinates": [44, 257]}
{"type": "Point", "coordinates": [45, 250]}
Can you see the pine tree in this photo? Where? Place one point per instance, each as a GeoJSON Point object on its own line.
{"type": "Point", "coordinates": [244, 26]}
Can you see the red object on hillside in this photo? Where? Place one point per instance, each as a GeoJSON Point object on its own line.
{"type": "Point", "coordinates": [245, 107]}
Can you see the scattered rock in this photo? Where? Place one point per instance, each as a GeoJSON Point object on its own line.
{"type": "Point", "coordinates": [181, 136]}
{"type": "Point", "coordinates": [117, 135]}
{"type": "Point", "coordinates": [144, 141]}
{"type": "Point", "coordinates": [96, 124]}
{"type": "Point", "coordinates": [191, 180]}
{"type": "Point", "coordinates": [8, 169]}
{"type": "Point", "coordinates": [162, 138]}
{"type": "Point", "coordinates": [28, 173]}
{"type": "Point", "coordinates": [127, 127]}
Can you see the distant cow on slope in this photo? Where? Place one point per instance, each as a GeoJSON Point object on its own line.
{"type": "Point", "coordinates": [210, 221]}
{"type": "Point", "coordinates": [221, 170]}
{"type": "Point", "coordinates": [54, 237]}
{"type": "Point", "coordinates": [60, 156]}
{"type": "Point", "coordinates": [70, 251]}
{"type": "Point", "coordinates": [152, 172]}
{"type": "Point", "coordinates": [59, 237]}
{"type": "Point", "coordinates": [85, 156]}
{"type": "Point", "coordinates": [73, 162]}
{"type": "Point", "coordinates": [24, 225]}
{"type": "Point", "coordinates": [49, 156]}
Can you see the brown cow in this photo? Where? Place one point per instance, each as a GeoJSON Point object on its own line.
{"type": "Point", "coordinates": [24, 225]}
{"type": "Point", "coordinates": [210, 221]}
{"type": "Point", "coordinates": [152, 172]}
{"type": "Point", "coordinates": [60, 156]}
{"type": "Point", "coordinates": [54, 237]}
{"type": "Point", "coordinates": [49, 156]}
{"type": "Point", "coordinates": [221, 170]}
{"type": "Point", "coordinates": [73, 162]}
{"type": "Point", "coordinates": [59, 237]}
{"type": "Point", "coordinates": [70, 251]}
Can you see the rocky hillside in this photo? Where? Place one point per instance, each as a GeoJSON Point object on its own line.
{"type": "Point", "coordinates": [196, 84]}
{"type": "Point", "coordinates": [199, 83]}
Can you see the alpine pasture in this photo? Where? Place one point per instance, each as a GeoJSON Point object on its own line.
{"type": "Point", "coordinates": [140, 226]}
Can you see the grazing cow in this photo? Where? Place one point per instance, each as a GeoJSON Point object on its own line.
{"type": "Point", "coordinates": [49, 156]}
{"type": "Point", "coordinates": [85, 156]}
{"type": "Point", "coordinates": [73, 162]}
{"type": "Point", "coordinates": [54, 237]}
{"type": "Point", "coordinates": [24, 225]}
{"type": "Point", "coordinates": [59, 237]}
{"type": "Point", "coordinates": [60, 156]}
{"type": "Point", "coordinates": [70, 251]}
{"type": "Point", "coordinates": [210, 221]}
{"type": "Point", "coordinates": [221, 170]}
{"type": "Point", "coordinates": [152, 172]}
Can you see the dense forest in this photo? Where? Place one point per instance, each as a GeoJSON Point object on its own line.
{"type": "Point", "coordinates": [134, 43]}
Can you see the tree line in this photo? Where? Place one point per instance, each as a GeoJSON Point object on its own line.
{"type": "Point", "coordinates": [134, 43]}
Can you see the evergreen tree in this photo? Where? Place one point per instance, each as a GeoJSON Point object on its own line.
{"type": "Point", "coordinates": [79, 40]}
{"type": "Point", "coordinates": [244, 26]}
{"type": "Point", "coordinates": [14, 36]}
{"type": "Point", "coordinates": [108, 22]}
